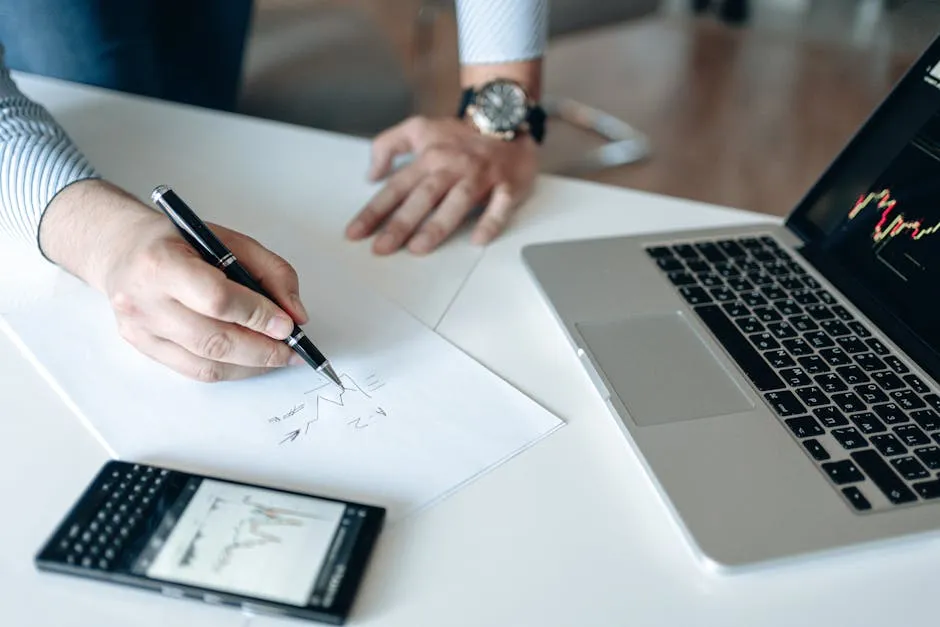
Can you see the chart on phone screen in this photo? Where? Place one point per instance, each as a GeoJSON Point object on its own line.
{"type": "Point", "coordinates": [246, 540]}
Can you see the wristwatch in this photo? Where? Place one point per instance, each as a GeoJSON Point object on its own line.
{"type": "Point", "coordinates": [502, 108]}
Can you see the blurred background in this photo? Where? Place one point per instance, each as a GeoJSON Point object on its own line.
{"type": "Point", "coordinates": [740, 103]}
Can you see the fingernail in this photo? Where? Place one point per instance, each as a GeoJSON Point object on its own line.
{"type": "Point", "coordinates": [385, 242]}
{"type": "Point", "coordinates": [299, 306]}
{"type": "Point", "coordinates": [296, 360]}
{"type": "Point", "coordinates": [356, 230]}
{"type": "Point", "coordinates": [421, 243]}
{"type": "Point", "coordinates": [279, 327]}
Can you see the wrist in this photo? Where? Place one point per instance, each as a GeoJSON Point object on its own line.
{"type": "Point", "coordinates": [528, 74]}
{"type": "Point", "coordinates": [85, 224]}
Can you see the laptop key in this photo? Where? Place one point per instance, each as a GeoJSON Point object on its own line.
{"type": "Point", "coordinates": [843, 471]}
{"type": "Point", "coordinates": [930, 456]}
{"type": "Point", "coordinates": [788, 307]}
{"type": "Point", "coordinates": [835, 328]}
{"type": "Point", "coordinates": [888, 444]}
{"type": "Point", "coordinates": [727, 270]}
{"type": "Point", "coordinates": [749, 324]}
{"type": "Point", "coordinates": [722, 294]}
{"type": "Point", "coordinates": [740, 284]}
{"type": "Point", "coordinates": [681, 278]}
{"type": "Point", "coordinates": [909, 468]}
{"type": "Point", "coordinates": [843, 314]}
{"type": "Point", "coordinates": [658, 252]}
{"type": "Point", "coordinates": [764, 341]}
{"type": "Point", "coordinates": [764, 256]}
{"type": "Point", "coordinates": [695, 295]}
{"type": "Point", "coordinates": [881, 474]}
{"type": "Point", "coordinates": [710, 251]}
{"type": "Point", "coordinates": [891, 413]}
{"type": "Point", "coordinates": [782, 330]}
{"type": "Point", "coordinates": [928, 419]}
{"type": "Point", "coordinates": [852, 374]}
{"type": "Point", "coordinates": [869, 362]}
{"type": "Point", "coordinates": [849, 438]}
{"type": "Point", "coordinates": [737, 309]}
{"type": "Point", "coordinates": [933, 400]}
{"type": "Point", "coordinates": [816, 450]}
{"type": "Point", "coordinates": [916, 384]}
{"type": "Point", "coordinates": [911, 435]}
{"type": "Point", "coordinates": [830, 383]}
{"type": "Point", "coordinates": [819, 312]}
{"type": "Point", "coordinates": [812, 396]}
{"type": "Point", "coordinates": [811, 283]}
{"type": "Point", "coordinates": [835, 356]}
{"type": "Point", "coordinates": [868, 423]}
{"type": "Point", "coordinates": [887, 381]}
{"type": "Point", "coordinates": [791, 283]}
{"type": "Point", "coordinates": [731, 248]}
{"type": "Point", "coordinates": [856, 498]}
{"type": "Point", "coordinates": [830, 416]}
{"type": "Point", "coordinates": [781, 359]}
{"type": "Point", "coordinates": [827, 298]}
{"type": "Point", "coordinates": [848, 402]}
{"type": "Point", "coordinates": [896, 364]}
{"type": "Point", "coordinates": [698, 266]}
{"type": "Point", "coordinates": [772, 292]}
{"type": "Point", "coordinates": [928, 489]}
{"type": "Point", "coordinates": [760, 278]}
{"type": "Point", "coordinates": [709, 279]}
{"type": "Point", "coordinates": [785, 403]}
{"type": "Point", "coordinates": [767, 314]}
{"type": "Point", "coordinates": [851, 344]}
{"type": "Point", "coordinates": [686, 251]}
{"type": "Point", "coordinates": [805, 297]}
{"type": "Point", "coordinates": [669, 264]}
{"type": "Point", "coordinates": [859, 329]}
{"type": "Point", "coordinates": [753, 299]}
{"type": "Point", "coordinates": [878, 347]}
{"type": "Point", "coordinates": [794, 376]}
{"type": "Point", "coordinates": [813, 364]}
{"type": "Point", "coordinates": [798, 347]}
{"type": "Point", "coordinates": [803, 323]}
{"type": "Point", "coordinates": [747, 358]}
{"type": "Point", "coordinates": [907, 400]}
{"type": "Point", "coordinates": [871, 393]}
{"type": "Point", "coordinates": [819, 339]}
{"type": "Point", "coordinates": [804, 426]}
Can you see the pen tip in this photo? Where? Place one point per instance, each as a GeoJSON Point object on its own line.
{"type": "Point", "coordinates": [330, 374]}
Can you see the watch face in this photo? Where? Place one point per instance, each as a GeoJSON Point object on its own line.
{"type": "Point", "coordinates": [502, 105]}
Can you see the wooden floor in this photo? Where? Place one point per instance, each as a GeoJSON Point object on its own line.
{"type": "Point", "coordinates": [743, 117]}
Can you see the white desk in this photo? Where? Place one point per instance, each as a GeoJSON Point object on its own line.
{"type": "Point", "coordinates": [568, 533]}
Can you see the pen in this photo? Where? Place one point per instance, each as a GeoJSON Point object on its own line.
{"type": "Point", "coordinates": [215, 252]}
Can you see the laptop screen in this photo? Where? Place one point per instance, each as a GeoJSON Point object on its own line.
{"type": "Point", "coordinates": [872, 222]}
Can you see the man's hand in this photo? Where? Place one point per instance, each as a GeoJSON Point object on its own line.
{"type": "Point", "coordinates": [169, 303]}
{"type": "Point", "coordinates": [455, 170]}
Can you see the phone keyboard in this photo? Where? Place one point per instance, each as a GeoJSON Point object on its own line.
{"type": "Point", "coordinates": [124, 499]}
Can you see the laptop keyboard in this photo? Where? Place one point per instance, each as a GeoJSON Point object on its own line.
{"type": "Point", "coordinates": [866, 420]}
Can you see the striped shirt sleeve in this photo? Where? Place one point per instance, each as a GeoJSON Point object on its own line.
{"type": "Point", "coordinates": [37, 160]}
{"type": "Point", "coordinates": [501, 31]}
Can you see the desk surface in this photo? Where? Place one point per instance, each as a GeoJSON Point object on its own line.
{"type": "Point", "coordinates": [569, 533]}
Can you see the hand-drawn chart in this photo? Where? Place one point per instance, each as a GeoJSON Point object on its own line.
{"type": "Point", "coordinates": [356, 405]}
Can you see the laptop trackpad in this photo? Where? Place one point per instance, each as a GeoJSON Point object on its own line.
{"type": "Point", "coordinates": [661, 369]}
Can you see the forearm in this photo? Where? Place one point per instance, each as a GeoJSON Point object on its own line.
{"type": "Point", "coordinates": [502, 39]}
{"type": "Point", "coordinates": [37, 160]}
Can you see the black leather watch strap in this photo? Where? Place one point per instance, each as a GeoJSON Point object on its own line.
{"type": "Point", "coordinates": [536, 120]}
{"type": "Point", "coordinates": [466, 99]}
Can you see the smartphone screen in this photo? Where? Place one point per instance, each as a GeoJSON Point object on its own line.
{"type": "Point", "coordinates": [218, 540]}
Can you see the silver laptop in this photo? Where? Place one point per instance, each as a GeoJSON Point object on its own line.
{"type": "Point", "coordinates": [780, 384]}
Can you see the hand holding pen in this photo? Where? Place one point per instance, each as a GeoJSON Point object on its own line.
{"type": "Point", "coordinates": [213, 251]}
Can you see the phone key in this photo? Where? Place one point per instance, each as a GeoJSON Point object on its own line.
{"type": "Point", "coordinates": [856, 498]}
{"type": "Point", "coordinates": [916, 384]}
{"type": "Point", "coordinates": [816, 450]}
{"type": "Point", "coordinates": [883, 476]}
{"type": "Point", "coordinates": [843, 471]}
{"type": "Point", "coordinates": [909, 468]}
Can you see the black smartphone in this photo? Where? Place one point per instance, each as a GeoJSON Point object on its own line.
{"type": "Point", "coordinates": [262, 549]}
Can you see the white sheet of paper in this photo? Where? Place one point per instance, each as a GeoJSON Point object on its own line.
{"type": "Point", "coordinates": [417, 418]}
